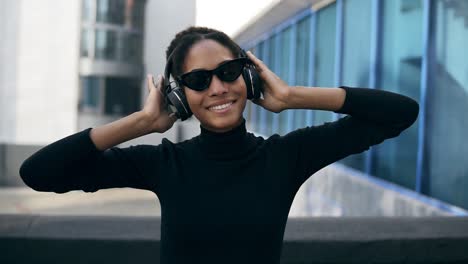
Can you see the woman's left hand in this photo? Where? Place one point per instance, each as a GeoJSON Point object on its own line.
{"type": "Point", "coordinates": [275, 90]}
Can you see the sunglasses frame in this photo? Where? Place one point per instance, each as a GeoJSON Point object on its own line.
{"type": "Point", "coordinates": [215, 71]}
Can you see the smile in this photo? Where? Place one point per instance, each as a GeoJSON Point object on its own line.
{"type": "Point", "coordinates": [220, 108]}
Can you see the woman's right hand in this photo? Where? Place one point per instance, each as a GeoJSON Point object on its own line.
{"type": "Point", "coordinates": [158, 118]}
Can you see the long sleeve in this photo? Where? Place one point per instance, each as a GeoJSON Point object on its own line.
{"type": "Point", "coordinates": [372, 116]}
{"type": "Point", "coordinates": [74, 163]}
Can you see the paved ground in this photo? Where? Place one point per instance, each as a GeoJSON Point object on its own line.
{"type": "Point", "coordinates": [116, 202]}
{"type": "Point", "coordinates": [119, 202]}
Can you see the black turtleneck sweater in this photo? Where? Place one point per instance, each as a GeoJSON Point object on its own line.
{"type": "Point", "coordinates": [225, 197]}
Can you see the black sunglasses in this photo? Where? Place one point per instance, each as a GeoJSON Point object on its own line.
{"type": "Point", "coordinates": [200, 80]}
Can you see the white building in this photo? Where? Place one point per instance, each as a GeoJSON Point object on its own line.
{"type": "Point", "coordinates": [69, 65]}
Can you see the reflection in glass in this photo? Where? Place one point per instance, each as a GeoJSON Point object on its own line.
{"type": "Point", "coordinates": [395, 159]}
{"type": "Point", "coordinates": [122, 96]}
{"type": "Point", "coordinates": [105, 45]}
{"type": "Point", "coordinates": [263, 46]}
{"type": "Point", "coordinates": [87, 10]}
{"type": "Point", "coordinates": [110, 11]}
{"type": "Point", "coordinates": [284, 67]}
{"type": "Point", "coordinates": [132, 47]}
{"type": "Point", "coordinates": [90, 93]}
{"type": "Point", "coordinates": [271, 64]}
{"type": "Point", "coordinates": [134, 13]}
{"type": "Point", "coordinates": [356, 55]}
{"type": "Point", "coordinates": [325, 56]}
{"type": "Point", "coordinates": [447, 123]}
{"type": "Point", "coordinates": [85, 47]}
{"type": "Point", "coordinates": [302, 65]}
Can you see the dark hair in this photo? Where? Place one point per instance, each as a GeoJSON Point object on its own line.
{"type": "Point", "coordinates": [185, 39]}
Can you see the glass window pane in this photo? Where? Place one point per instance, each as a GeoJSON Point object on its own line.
{"type": "Point", "coordinates": [105, 45]}
{"type": "Point", "coordinates": [325, 56]}
{"type": "Point", "coordinates": [356, 55]}
{"type": "Point", "coordinates": [271, 65]}
{"type": "Point", "coordinates": [87, 10]}
{"type": "Point", "coordinates": [85, 48]}
{"type": "Point", "coordinates": [90, 93]}
{"type": "Point", "coordinates": [302, 51]}
{"type": "Point", "coordinates": [266, 59]}
{"type": "Point", "coordinates": [400, 70]}
{"type": "Point", "coordinates": [110, 11]}
{"type": "Point", "coordinates": [122, 96]}
{"type": "Point", "coordinates": [132, 47]}
{"type": "Point", "coordinates": [447, 124]}
{"type": "Point", "coordinates": [302, 65]}
{"type": "Point", "coordinates": [283, 71]}
{"type": "Point", "coordinates": [356, 42]}
{"type": "Point", "coordinates": [134, 14]}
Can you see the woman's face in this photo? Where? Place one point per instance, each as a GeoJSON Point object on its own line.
{"type": "Point", "coordinates": [219, 108]}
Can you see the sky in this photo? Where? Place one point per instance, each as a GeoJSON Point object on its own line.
{"type": "Point", "coordinates": [228, 16]}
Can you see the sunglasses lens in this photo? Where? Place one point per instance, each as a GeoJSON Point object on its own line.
{"type": "Point", "coordinates": [231, 70]}
{"type": "Point", "coordinates": [198, 80]}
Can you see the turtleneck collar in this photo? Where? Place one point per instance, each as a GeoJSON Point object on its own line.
{"type": "Point", "coordinates": [226, 145]}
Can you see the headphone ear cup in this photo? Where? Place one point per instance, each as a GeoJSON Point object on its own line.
{"type": "Point", "coordinates": [176, 98]}
{"type": "Point", "coordinates": [253, 82]}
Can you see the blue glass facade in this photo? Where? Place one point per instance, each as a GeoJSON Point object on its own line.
{"type": "Point", "coordinates": [412, 47]}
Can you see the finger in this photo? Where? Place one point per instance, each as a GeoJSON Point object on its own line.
{"type": "Point", "coordinates": [160, 84]}
{"type": "Point", "coordinates": [150, 80]}
{"type": "Point", "coordinates": [258, 63]}
{"type": "Point", "coordinates": [148, 86]}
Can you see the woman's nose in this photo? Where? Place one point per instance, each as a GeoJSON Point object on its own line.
{"type": "Point", "coordinates": [217, 86]}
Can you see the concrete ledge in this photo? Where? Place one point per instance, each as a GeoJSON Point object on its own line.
{"type": "Point", "coordinates": [86, 239]}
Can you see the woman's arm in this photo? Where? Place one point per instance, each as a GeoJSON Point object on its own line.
{"type": "Point", "coordinates": [153, 118]}
{"type": "Point", "coordinates": [87, 160]}
{"type": "Point", "coordinates": [372, 116]}
{"type": "Point", "coordinates": [377, 106]}
{"type": "Point", "coordinates": [330, 99]}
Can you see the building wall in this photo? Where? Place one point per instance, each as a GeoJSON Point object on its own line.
{"type": "Point", "coordinates": [39, 76]}
{"type": "Point", "coordinates": [47, 66]}
{"type": "Point", "coordinates": [163, 21]}
{"type": "Point", "coordinates": [39, 83]}
{"type": "Point", "coordinates": [412, 48]}
{"type": "Point", "coordinates": [9, 16]}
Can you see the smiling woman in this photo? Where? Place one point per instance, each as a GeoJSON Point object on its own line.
{"type": "Point", "coordinates": [225, 194]}
{"type": "Point", "coordinates": [219, 107]}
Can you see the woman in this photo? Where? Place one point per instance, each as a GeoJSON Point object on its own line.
{"type": "Point", "coordinates": [225, 194]}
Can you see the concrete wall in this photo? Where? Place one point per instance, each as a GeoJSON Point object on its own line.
{"type": "Point", "coordinates": [9, 16]}
{"type": "Point", "coordinates": [11, 158]}
{"type": "Point", "coordinates": [338, 190]}
{"type": "Point", "coordinates": [110, 239]}
{"type": "Point", "coordinates": [47, 67]}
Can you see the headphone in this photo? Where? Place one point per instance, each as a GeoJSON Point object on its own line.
{"type": "Point", "coordinates": [176, 101]}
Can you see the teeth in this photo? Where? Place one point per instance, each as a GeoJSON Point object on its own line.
{"type": "Point", "coordinates": [219, 107]}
